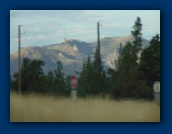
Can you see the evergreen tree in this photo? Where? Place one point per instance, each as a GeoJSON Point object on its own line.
{"type": "Point", "coordinates": [137, 42]}
{"type": "Point", "coordinates": [85, 79]}
{"type": "Point", "coordinates": [13, 84]}
{"type": "Point", "coordinates": [95, 82]}
{"type": "Point", "coordinates": [129, 82]}
{"type": "Point", "coordinates": [125, 61]}
{"type": "Point", "coordinates": [111, 84]}
{"type": "Point", "coordinates": [50, 81]}
{"type": "Point", "coordinates": [88, 80]}
{"type": "Point", "coordinates": [67, 89]}
{"type": "Point", "coordinates": [36, 76]}
{"type": "Point", "coordinates": [150, 61]}
{"type": "Point", "coordinates": [32, 76]}
{"type": "Point", "coordinates": [95, 76]}
{"type": "Point", "coordinates": [128, 54]}
{"type": "Point", "coordinates": [59, 80]}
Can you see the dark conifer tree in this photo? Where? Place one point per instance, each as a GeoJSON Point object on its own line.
{"type": "Point", "coordinates": [150, 61]}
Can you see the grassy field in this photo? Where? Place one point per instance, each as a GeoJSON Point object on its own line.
{"type": "Point", "coordinates": [34, 108]}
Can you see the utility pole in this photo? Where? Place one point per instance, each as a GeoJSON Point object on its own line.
{"type": "Point", "coordinates": [99, 58]}
{"type": "Point", "coordinates": [19, 61]}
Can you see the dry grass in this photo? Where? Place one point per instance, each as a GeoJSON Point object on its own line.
{"type": "Point", "coordinates": [49, 109]}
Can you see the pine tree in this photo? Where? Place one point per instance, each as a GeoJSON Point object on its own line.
{"type": "Point", "coordinates": [150, 61]}
{"type": "Point", "coordinates": [59, 80]}
{"type": "Point", "coordinates": [67, 89]}
{"type": "Point", "coordinates": [125, 62]}
{"type": "Point", "coordinates": [13, 84]}
{"type": "Point", "coordinates": [88, 80]}
{"type": "Point", "coordinates": [36, 75]}
{"type": "Point", "coordinates": [50, 82]}
{"type": "Point", "coordinates": [128, 54]}
{"type": "Point", "coordinates": [129, 82]}
{"type": "Point", "coordinates": [85, 79]}
{"type": "Point", "coordinates": [137, 42]}
{"type": "Point", "coordinates": [95, 76]}
{"type": "Point", "coordinates": [32, 76]}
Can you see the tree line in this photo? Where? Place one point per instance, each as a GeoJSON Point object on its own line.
{"type": "Point", "coordinates": [33, 79]}
{"type": "Point", "coordinates": [135, 71]}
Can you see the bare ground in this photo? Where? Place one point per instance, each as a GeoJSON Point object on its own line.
{"type": "Point", "coordinates": [34, 108]}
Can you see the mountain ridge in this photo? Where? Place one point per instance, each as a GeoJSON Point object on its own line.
{"type": "Point", "coordinates": [72, 53]}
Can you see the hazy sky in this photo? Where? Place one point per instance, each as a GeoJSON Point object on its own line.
{"type": "Point", "coordinates": [44, 27]}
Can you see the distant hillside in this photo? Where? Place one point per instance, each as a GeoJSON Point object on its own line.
{"type": "Point", "coordinates": [72, 53]}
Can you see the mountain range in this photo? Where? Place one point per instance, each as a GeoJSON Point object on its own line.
{"type": "Point", "coordinates": [72, 53]}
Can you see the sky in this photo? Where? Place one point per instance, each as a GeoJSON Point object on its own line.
{"type": "Point", "coordinates": [45, 27]}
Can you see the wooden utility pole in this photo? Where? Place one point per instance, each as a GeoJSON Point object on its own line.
{"type": "Point", "coordinates": [99, 58]}
{"type": "Point", "coordinates": [19, 61]}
